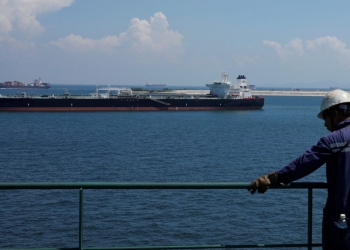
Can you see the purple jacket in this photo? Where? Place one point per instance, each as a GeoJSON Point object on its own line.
{"type": "Point", "coordinates": [338, 180]}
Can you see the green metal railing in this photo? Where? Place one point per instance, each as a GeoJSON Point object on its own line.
{"type": "Point", "coordinates": [81, 186]}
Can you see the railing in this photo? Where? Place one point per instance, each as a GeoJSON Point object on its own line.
{"type": "Point", "coordinates": [179, 185]}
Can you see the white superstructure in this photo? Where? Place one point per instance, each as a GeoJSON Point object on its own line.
{"type": "Point", "coordinates": [225, 89]}
{"type": "Point", "coordinates": [118, 91]}
{"type": "Point", "coordinates": [38, 81]}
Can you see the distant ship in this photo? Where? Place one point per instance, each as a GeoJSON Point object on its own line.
{"type": "Point", "coordinates": [37, 84]}
{"type": "Point", "coordinates": [155, 85]}
{"type": "Point", "coordinates": [252, 86]}
{"type": "Point", "coordinates": [223, 96]}
{"type": "Point", "coordinates": [333, 87]}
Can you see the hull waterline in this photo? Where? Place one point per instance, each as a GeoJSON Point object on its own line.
{"type": "Point", "coordinates": [131, 104]}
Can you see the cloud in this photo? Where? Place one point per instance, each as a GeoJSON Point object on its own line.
{"type": "Point", "coordinates": [245, 60]}
{"type": "Point", "coordinates": [326, 47]}
{"type": "Point", "coordinates": [142, 37]}
{"type": "Point", "coordinates": [292, 49]}
{"type": "Point", "coordinates": [73, 43]}
{"type": "Point", "coordinates": [330, 45]}
{"type": "Point", "coordinates": [5, 25]}
{"type": "Point", "coordinates": [10, 46]}
{"type": "Point", "coordinates": [155, 35]}
{"type": "Point", "coordinates": [22, 14]}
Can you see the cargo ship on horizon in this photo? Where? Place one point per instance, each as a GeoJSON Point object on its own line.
{"type": "Point", "coordinates": [155, 85]}
{"type": "Point", "coordinates": [37, 84]}
{"type": "Point", "coordinates": [223, 96]}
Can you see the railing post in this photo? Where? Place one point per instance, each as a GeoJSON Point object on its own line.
{"type": "Point", "coordinates": [80, 218]}
{"type": "Point", "coordinates": [309, 219]}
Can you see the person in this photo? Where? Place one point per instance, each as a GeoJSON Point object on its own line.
{"type": "Point", "coordinates": [334, 150]}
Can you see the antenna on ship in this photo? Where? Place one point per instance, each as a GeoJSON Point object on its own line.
{"type": "Point", "coordinates": [224, 77]}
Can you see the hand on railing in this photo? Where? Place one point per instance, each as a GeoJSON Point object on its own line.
{"type": "Point", "coordinates": [263, 183]}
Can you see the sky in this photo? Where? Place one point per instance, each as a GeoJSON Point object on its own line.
{"type": "Point", "coordinates": [289, 44]}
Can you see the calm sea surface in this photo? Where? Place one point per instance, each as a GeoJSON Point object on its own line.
{"type": "Point", "coordinates": [178, 146]}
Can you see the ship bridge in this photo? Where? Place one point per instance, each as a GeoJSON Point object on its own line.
{"type": "Point", "coordinates": [225, 89]}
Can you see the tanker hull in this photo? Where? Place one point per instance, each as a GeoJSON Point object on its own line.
{"type": "Point", "coordinates": [128, 104]}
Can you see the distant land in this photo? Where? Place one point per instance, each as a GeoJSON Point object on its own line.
{"type": "Point", "coordinates": [320, 84]}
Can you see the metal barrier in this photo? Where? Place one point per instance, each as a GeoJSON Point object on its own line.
{"type": "Point", "coordinates": [174, 185]}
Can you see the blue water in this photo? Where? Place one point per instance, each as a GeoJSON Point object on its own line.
{"type": "Point", "coordinates": [179, 146]}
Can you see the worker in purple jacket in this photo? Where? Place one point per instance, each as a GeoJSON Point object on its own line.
{"type": "Point", "coordinates": [334, 150]}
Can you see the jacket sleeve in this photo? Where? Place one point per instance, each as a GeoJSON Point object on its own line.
{"type": "Point", "coordinates": [306, 163]}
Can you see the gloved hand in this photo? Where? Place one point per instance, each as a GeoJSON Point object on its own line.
{"type": "Point", "coordinates": [263, 183]}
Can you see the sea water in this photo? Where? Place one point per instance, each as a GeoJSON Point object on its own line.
{"type": "Point", "coordinates": [176, 146]}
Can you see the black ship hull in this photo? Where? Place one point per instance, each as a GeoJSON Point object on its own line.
{"type": "Point", "coordinates": [127, 104]}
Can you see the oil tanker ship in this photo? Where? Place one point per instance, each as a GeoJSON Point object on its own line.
{"type": "Point", "coordinates": [37, 84]}
{"type": "Point", "coordinates": [223, 96]}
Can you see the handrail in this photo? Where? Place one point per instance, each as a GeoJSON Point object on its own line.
{"type": "Point", "coordinates": [151, 185]}
{"type": "Point", "coordinates": [171, 185]}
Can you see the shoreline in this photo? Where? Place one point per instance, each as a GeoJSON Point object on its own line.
{"type": "Point", "coordinates": [288, 93]}
{"type": "Point", "coordinates": [258, 92]}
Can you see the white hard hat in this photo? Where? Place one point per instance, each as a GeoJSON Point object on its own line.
{"type": "Point", "coordinates": [333, 98]}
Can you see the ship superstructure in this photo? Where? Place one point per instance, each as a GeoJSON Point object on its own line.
{"type": "Point", "coordinates": [225, 89]}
